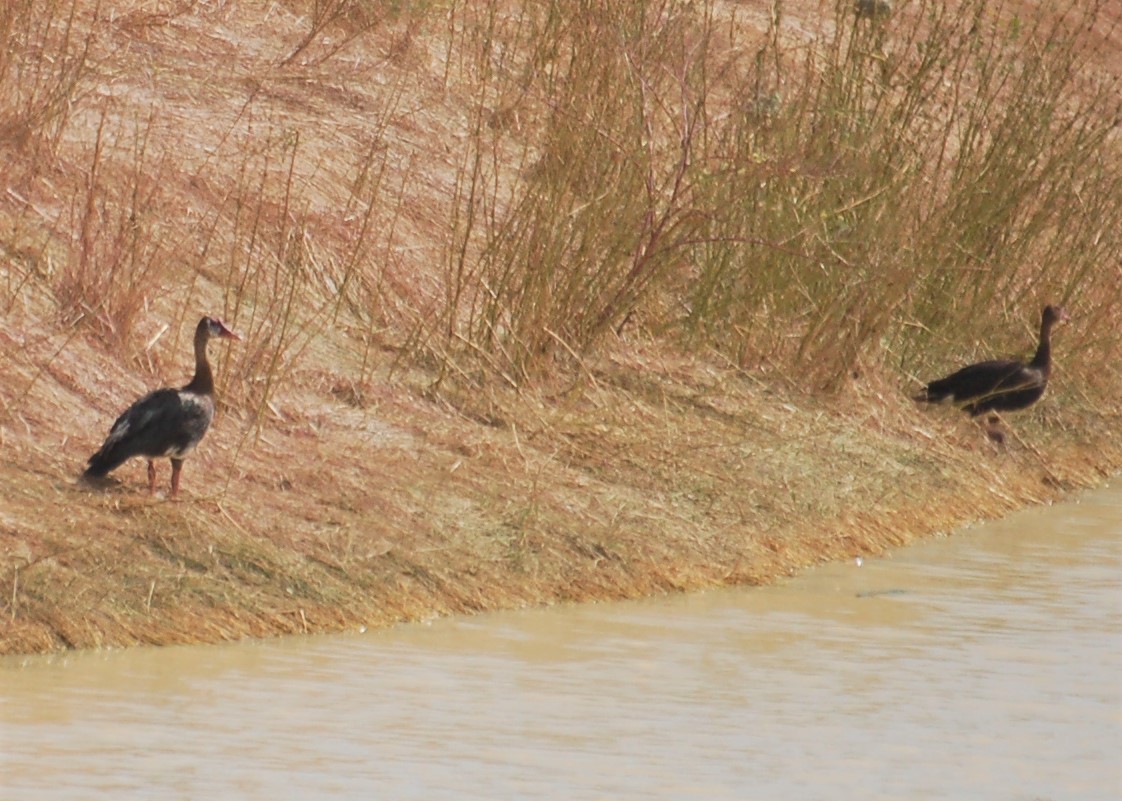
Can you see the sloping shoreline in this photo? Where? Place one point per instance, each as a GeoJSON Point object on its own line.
{"type": "Point", "coordinates": [638, 482]}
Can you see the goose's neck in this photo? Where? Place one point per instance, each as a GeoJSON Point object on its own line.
{"type": "Point", "coordinates": [1043, 358]}
{"type": "Point", "coordinates": [203, 382]}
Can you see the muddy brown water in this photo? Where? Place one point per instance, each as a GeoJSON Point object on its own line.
{"type": "Point", "coordinates": [987, 665]}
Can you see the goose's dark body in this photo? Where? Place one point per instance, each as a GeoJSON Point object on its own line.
{"type": "Point", "coordinates": [1000, 385]}
{"type": "Point", "coordinates": [990, 386]}
{"type": "Point", "coordinates": [164, 423]}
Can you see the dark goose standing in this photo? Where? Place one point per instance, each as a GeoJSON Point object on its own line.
{"type": "Point", "coordinates": [1000, 385]}
{"type": "Point", "coordinates": [167, 422]}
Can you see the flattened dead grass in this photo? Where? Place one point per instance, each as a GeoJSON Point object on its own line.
{"type": "Point", "coordinates": [650, 474]}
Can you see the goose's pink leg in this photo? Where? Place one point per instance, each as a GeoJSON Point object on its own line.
{"type": "Point", "coordinates": [176, 467]}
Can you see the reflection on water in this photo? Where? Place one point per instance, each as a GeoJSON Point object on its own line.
{"type": "Point", "coordinates": [986, 666]}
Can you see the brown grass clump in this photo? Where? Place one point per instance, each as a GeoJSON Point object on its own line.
{"type": "Point", "coordinates": [536, 305]}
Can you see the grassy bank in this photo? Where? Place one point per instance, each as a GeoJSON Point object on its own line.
{"type": "Point", "coordinates": [539, 302]}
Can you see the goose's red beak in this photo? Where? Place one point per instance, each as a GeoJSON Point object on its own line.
{"type": "Point", "coordinates": [225, 332]}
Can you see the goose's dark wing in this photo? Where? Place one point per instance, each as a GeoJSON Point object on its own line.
{"type": "Point", "coordinates": [976, 380]}
{"type": "Point", "coordinates": [167, 422]}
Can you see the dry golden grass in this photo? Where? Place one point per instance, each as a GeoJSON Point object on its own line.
{"type": "Point", "coordinates": [650, 474]}
{"type": "Point", "coordinates": [304, 178]}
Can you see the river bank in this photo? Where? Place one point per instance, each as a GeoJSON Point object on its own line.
{"type": "Point", "coordinates": [538, 303]}
{"type": "Point", "coordinates": [642, 477]}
